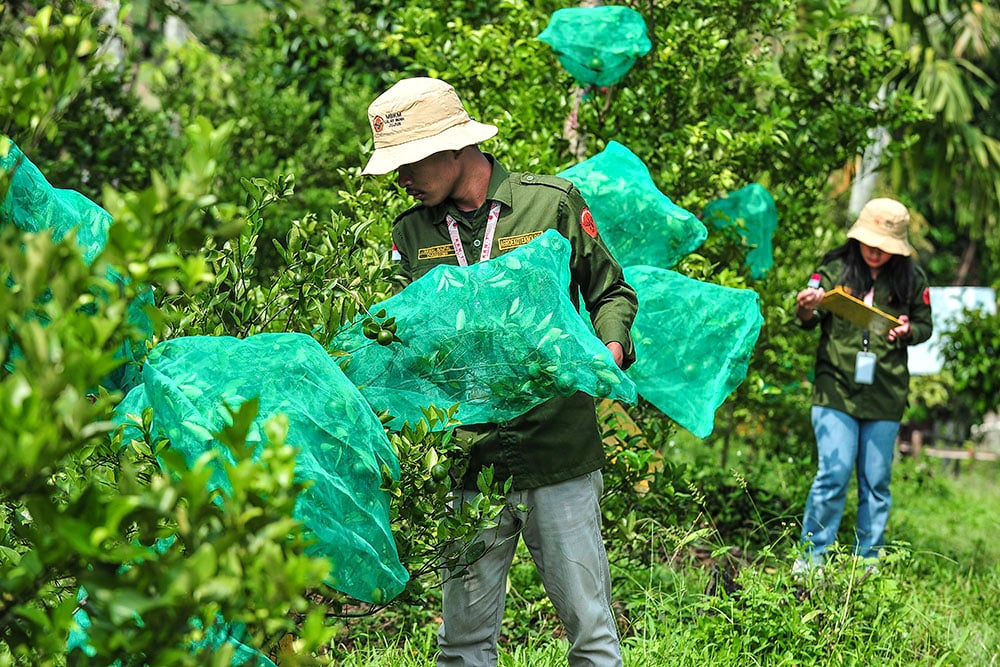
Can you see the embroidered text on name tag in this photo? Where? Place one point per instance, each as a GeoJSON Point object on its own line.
{"type": "Point", "coordinates": [509, 242]}
{"type": "Point", "coordinates": [435, 252]}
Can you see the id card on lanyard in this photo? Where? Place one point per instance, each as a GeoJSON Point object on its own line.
{"type": "Point", "coordinates": [491, 228]}
{"type": "Point", "coordinates": [864, 362]}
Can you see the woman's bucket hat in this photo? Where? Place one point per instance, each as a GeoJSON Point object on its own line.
{"type": "Point", "coordinates": [883, 224]}
{"type": "Point", "coordinates": [416, 118]}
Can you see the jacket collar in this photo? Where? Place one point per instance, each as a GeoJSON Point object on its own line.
{"type": "Point", "coordinates": [498, 190]}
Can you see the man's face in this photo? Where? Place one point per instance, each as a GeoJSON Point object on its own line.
{"type": "Point", "coordinates": [432, 179]}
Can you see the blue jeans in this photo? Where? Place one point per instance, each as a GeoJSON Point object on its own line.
{"type": "Point", "coordinates": [846, 444]}
{"type": "Point", "coordinates": [562, 530]}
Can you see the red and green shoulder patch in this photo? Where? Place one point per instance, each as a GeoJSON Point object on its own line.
{"type": "Point", "coordinates": [587, 223]}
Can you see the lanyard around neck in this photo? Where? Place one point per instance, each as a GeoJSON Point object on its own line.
{"type": "Point", "coordinates": [491, 227]}
{"type": "Point", "coordinates": [869, 299]}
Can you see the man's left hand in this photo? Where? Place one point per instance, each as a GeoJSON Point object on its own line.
{"type": "Point", "coordinates": [618, 352]}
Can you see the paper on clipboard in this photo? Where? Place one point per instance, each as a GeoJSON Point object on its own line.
{"type": "Point", "coordinates": [857, 311]}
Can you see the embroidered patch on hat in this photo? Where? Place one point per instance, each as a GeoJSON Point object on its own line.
{"type": "Point", "coordinates": [378, 124]}
{"type": "Point", "coordinates": [587, 223]}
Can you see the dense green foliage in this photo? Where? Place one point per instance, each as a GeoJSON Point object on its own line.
{"type": "Point", "coordinates": [231, 163]}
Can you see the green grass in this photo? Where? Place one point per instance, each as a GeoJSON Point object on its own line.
{"type": "Point", "coordinates": [933, 600]}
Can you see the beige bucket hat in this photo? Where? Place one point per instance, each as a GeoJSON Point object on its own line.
{"type": "Point", "coordinates": [884, 224]}
{"type": "Point", "coordinates": [416, 118]}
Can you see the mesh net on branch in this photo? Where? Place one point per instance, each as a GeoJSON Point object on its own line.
{"type": "Point", "coordinates": [640, 224]}
{"type": "Point", "coordinates": [597, 45]}
{"type": "Point", "coordinates": [343, 448]}
{"type": "Point", "coordinates": [34, 205]}
{"type": "Point", "coordinates": [498, 338]}
{"type": "Point", "coordinates": [693, 343]}
{"type": "Point", "coordinates": [752, 210]}
{"type": "Point", "coordinates": [220, 633]}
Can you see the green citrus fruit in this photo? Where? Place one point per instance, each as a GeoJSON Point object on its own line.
{"type": "Point", "coordinates": [384, 337]}
{"type": "Point", "coordinates": [566, 383]}
{"type": "Point", "coordinates": [439, 471]}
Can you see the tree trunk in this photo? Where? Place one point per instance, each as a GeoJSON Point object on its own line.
{"type": "Point", "coordinates": [968, 262]}
{"type": "Point", "coordinates": [571, 127]}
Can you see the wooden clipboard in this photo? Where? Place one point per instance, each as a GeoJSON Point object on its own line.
{"type": "Point", "coordinates": [857, 311]}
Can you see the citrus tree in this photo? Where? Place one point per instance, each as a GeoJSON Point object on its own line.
{"type": "Point", "coordinates": [81, 516]}
{"type": "Point", "coordinates": [242, 203]}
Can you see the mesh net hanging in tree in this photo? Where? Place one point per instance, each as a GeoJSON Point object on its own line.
{"type": "Point", "coordinates": [342, 445]}
{"type": "Point", "coordinates": [33, 205]}
{"type": "Point", "coordinates": [597, 45]}
{"type": "Point", "coordinates": [752, 210]}
{"type": "Point", "coordinates": [498, 338]}
{"type": "Point", "coordinates": [693, 343]}
{"type": "Point", "coordinates": [640, 224]}
{"type": "Point", "coordinates": [220, 633]}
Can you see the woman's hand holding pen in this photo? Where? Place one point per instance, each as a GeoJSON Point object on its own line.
{"type": "Point", "coordinates": [807, 300]}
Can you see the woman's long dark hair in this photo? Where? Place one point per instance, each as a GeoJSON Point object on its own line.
{"type": "Point", "coordinates": [857, 276]}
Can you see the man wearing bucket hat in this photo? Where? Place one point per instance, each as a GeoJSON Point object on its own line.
{"type": "Point", "coordinates": [861, 380]}
{"type": "Point", "coordinates": [472, 209]}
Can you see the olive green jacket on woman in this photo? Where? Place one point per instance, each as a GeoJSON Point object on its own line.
{"type": "Point", "coordinates": [840, 341]}
{"type": "Point", "coordinates": [560, 439]}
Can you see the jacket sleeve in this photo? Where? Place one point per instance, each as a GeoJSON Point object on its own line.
{"type": "Point", "coordinates": [400, 256]}
{"type": "Point", "coordinates": [610, 300]}
{"type": "Point", "coordinates": [829, 274]}
{"type": "Point", "coordinates": [921, 324]}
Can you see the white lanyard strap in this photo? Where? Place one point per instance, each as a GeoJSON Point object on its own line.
{"type": "Point", "coordinates": [491, 228]}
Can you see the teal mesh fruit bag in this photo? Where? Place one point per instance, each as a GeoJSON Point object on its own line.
{"type": "Point", "coordinates": [640, 224]}
{"type": "Point", "coordinates": [752, 210]}
{"type": "Point", "coordinates": [597, 45]}
{"type": "Point", "coordinates": [343, 446]}
{"type": "Point", "coordinates": [497, 338]}
{"type": "Point", "coordinates": [693, 343]}
{"type": "Point", "coordinates": [33, 204]}
{"type": "Point", "coordinates": [217, 635]}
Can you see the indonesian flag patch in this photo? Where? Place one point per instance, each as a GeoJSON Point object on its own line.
{"type": "Point", "coordinates": [395, 254]}
{"type": "Point", "coordinates": [927, 296]}
{"type": "Point", "coordinates": [587, 223]}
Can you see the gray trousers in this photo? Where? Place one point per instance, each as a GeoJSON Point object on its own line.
{"type": "Point", "coordinates": [562, 530]}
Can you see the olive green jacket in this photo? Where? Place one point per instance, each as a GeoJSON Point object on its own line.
{"type": "Point", "coordinates": [840, 341]}
{"type": "Point", "coordinates": [560, 439]}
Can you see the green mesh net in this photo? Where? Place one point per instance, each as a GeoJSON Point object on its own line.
{"type": "Point", "coordinates": [597, 45]}
{"type": "Point", "coordinates": [693, 343]}
{"type": "Point", "coordinates": [640, 224]}
{"type": "Point", "coordinates": [498, 338]}
{"type": "Point", "coordinates": [216, 636]}
{"type": "Point", "coordinates": [752, 210]}
{"type": "Point", "coordinates": [342, 443]}
{"type": "Point", "coordinates": [33, 205]}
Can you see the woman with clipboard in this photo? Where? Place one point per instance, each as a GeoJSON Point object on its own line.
{"type": "Point", "coordinates": [861, 379]}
